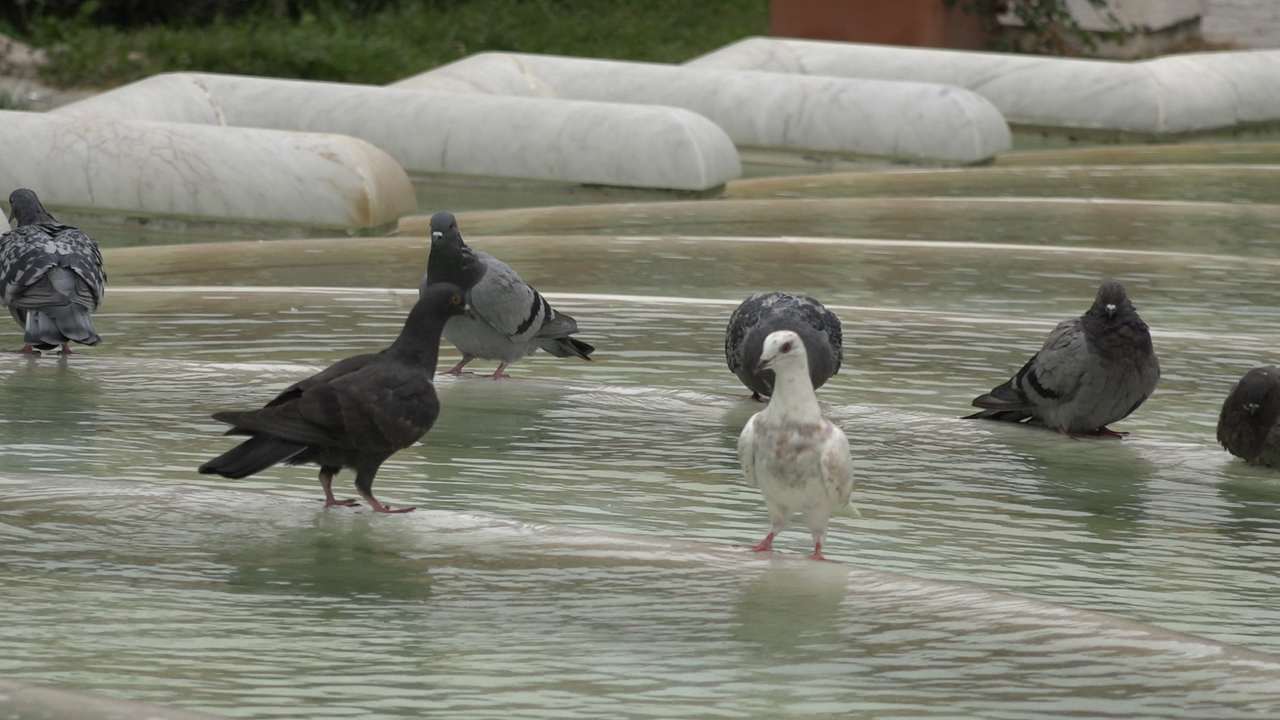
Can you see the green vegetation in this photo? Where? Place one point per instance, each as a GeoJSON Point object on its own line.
{"type": "Point", "coordinates": [378, 43]}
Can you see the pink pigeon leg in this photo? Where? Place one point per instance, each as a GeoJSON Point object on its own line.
{"type": "Point", "coordinates": [326, 482]}
{"type": "Point", "coordinates": [500, 373]}
{"type": "Point", "coordinates": [457, 369]}
{"type": "Point", "coordinates": [28, 350]}
{"type": "Point", "coordinates": [766, 544]}
{"type": "Point", "coordinates": [378, 506]}
{"type": "Point", "coordinates": [66, 348]}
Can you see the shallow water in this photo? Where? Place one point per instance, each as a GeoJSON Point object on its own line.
{"type": "Point", "coordinates": [583, 550]}
{"type": "Point", "coordinates": [580, 547]}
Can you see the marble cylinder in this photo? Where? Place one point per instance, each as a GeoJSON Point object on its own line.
{"type": "Point", "coordinates": [758, 110]}
{"type": "Point", "coordinates": [643, 146]}
{"type": "Point", "coordinates": [1171, 95]}
{"type": "Point", "coordinates": [199, 172]}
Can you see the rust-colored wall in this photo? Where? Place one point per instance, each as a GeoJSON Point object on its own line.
{"type": "Point", "coordinates": [928, 23]}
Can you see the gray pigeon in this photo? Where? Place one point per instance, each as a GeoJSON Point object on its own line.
{"type": "Point", "coordinates": [51, 277]}
{"type": "Point", "coordinates": [1247, 424]}
{"type": "Point", "coordinates": [1092, 371]}
{"type": "Point", "coordinates": [763, 313]}
{"type": "Point", "coordinates": [507, 319]}
{"type": "Point", "coordinates": [356, 413]}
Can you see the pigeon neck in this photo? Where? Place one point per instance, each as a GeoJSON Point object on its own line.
{"type": "Point", "coordinates": [793, 396]}
{"type": "Point", "coordinates": [419, 341]}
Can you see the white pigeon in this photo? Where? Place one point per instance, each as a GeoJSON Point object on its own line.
{"type": "Point", "coordinates": [798, 459]}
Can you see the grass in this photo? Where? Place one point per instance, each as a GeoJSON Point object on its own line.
{"type": "Point", "coordinates": [395, 42]}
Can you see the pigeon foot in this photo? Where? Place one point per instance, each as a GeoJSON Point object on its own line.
{"type": "Point", "coordinates": [764, 545]}
{"type": "Point", "coordinates": [347, 502]}
{"type": "Point", "coordinates": [379, 507]}
{"type": "Point", "coordinates": [1109, 433]}
{"type": "Point", "coordinates": [817, 553]}
{"type": "Point", "coordinates": [500, 373]}
{"type": "Point", "coordinates": [66, 349]}
{"type": "Point", "coordinates": [457, 369]}
{"type": "Point", "coordinates": [28, 350]}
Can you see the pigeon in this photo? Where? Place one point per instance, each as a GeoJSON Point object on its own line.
{"type": "Point", "coordinates": [355, 414]}
{"type": "Point", "coordinates": [507, 319]}
{"type": "Point", "coordinates": [1092, 371]}
{"type": "Point", "coordinates": [51, 277]}
{"type": "Point", "coordinates": [798, 459]}
{"type": "Point", "coordinates": [1247, 424]}
{"type": "Point", "coordinates": [763, 313]}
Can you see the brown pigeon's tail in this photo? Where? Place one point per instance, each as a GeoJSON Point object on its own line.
{"type": "Point", "coordinates": [253, 455]}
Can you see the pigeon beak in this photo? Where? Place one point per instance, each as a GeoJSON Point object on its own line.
{"type": "Point", "coordinates": [436, 235]}
{"type": "Point", "coordinates": [1251, 408]}
{"type": "Point", "coordinates": [1111, 308]}
{"type": "Point", "coordinates": [764, 364]}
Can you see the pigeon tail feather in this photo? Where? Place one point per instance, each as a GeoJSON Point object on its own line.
{"type": "Point", "coordinates": [1015, 416]}
{"type": "Point", "coordinates": [251, 456]}
{"type": "Point", "coordinates": [567, 347]}
{"type": "Point", "coordinates": [50, 327]}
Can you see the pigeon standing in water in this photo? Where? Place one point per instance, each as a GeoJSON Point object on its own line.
{"type": "Point", "coordinates": [1092, 371]}
{"type": "Point", "coordinates": [51, 277]}
{"type": "Point", "coordinates": [763, 313]}
{"type": "Point", "coordinates": [1247, 424]}
{"type": "Point", "coordinates": [355, 414]}
{"type": "Point", "coordinates": [507, 319]}
{"type": "Point", "coordinates": [798, 459]}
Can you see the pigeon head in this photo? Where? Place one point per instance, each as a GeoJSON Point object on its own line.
{"type": "Point", "coordinates": [450, 259]}
{"type": "Point", "coordinates": [1251, 410]}
{"type": "Point", "coordinates": [783, 350]}
{"type": "Point", "coordinates": [1111, 301]}
{"type": "Point", "coordinates": [419, 340]}
{"type": "Point", "coordinates": [27, 209]}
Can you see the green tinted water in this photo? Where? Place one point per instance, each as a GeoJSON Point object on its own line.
{"type": "Point", "coordinates": [580, 547]}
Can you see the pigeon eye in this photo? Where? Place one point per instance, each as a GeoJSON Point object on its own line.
{"type": "Point", "coordinates": [786, 347]}
{"type": "Point", "coordinates": [455, 300]}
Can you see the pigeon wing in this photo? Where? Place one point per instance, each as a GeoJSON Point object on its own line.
{"type": "Point", "coordinates": [28, 253]}
{"type": "Point", "coordinates": [1056, 372]}
{"type": "Point", "coordinates": [333, 372]}
{"type": "Point", "coordinates": [1051, 374]}
{"type": "Point", "coordinates": [506, 303]}
{"type": "Point", "coordinates": [837, 467]}
{"type": "Point", "coordinates": [747, 452]}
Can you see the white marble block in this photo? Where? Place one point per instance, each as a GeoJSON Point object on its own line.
{"type": "Point", "coordinates": [645, 146]}
{"type": "Point", "coordinates": [204, 173]}
{"type": "Point", "coordinates": [1165, 96]}
{"type": "Point", "coordinates": [759, 110]}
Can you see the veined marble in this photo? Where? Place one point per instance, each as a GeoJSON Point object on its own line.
{"type": "Point", "coordinates": [467, 133]}
{"type": "Point", "coordinates": [776, 111]}
{"type": "Point", "coordinates": [206, 173]}
{"type": "Point", "coordinates": [1170, 95]}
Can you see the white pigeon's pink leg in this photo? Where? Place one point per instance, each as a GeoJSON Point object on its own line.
{"type": "Point", "coordinates": [818, 537]}
{"type": "Point", "coordinates": [777, 521]}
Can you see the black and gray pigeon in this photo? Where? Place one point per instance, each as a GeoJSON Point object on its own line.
{"type": "Point", "coordinates": [507, 319]}
{"type": "Point", "coordinates": [763, 313]}
{"type": "Point", "coordinates": [51, 277]}
{"type": "Point", "coordinates": [355, 414]}
{"type": "Point", "coordinates": [1247, 424]}
{"type": "Point", "coordinates": [1092, 371]}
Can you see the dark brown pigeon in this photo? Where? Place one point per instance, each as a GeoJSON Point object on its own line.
{"type": "Point", "coordinates": [355, 414]}
{"type": "Point", "coordinates": [1247, 424]}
